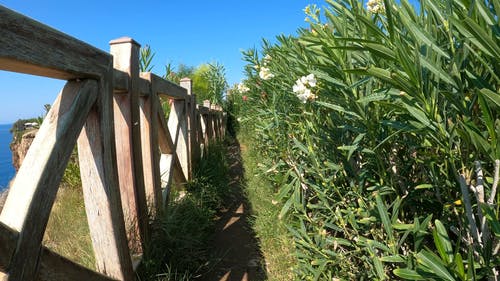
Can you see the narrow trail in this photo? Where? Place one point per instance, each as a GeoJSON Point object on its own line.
{"type": "Point", "coordinates": [236, 249]}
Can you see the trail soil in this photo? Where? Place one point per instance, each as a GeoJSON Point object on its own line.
{"type": "Point", "coordinates": [236, 252]}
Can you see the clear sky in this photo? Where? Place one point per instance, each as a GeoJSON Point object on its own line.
{"type": "Point", "coordinates": [189, 32]}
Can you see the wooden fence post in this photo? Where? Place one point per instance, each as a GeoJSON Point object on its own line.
{"type": "Point", "coordinates": [125, 53]}
{"type": "Point", "coordinates": [149, 109]}
{"type": "Point", "coordinates": [101, 192]}
{"type": "Point", "coordinates": [34, 190]}
{"type": "Point", "coordinates": [187, 84]}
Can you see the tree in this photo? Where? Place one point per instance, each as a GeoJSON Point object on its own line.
{"type": "Point", "coordinates": [217, 83]}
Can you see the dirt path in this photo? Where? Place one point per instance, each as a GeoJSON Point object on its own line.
{"type": "Point", "coordinates": [236, 250]}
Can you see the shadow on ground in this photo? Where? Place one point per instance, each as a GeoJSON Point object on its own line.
{"type": "Point", "coordinates": [236, 254]}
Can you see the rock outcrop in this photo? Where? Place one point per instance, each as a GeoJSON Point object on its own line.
{"type": "Point", "coordinates": [19, 147]}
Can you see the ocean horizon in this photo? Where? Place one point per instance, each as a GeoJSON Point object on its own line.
{"type": "Point", "coordinates": [7, 171]}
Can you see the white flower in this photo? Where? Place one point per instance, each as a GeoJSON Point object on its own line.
{"type": "Point", "coordinates": [265, 73]}
{"type": "Point", "coordinates": [301, 88]}
{"type": "Point", "coordinates": [242, 88]}
{"type": "Point", "coordinates": [375, 6]}
{"type": "Point", "coordinates": [311, 80]}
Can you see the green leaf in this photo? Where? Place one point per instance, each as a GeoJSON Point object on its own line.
{"type": "Point", "coordinates": [326, 77]}
{"type": "Point", "coordinates": [395, 258]}
{"type": "Point", "coordinates": [408, 274]}
{"type": "Point", "coordinates": [380, 50]}
{"type": "Point", "coordinates": [419, 115]}
{"type": "Point", "coordinates": [482, 37]}
{"type": "Point", "coordinates": [433, 264]}
{"type": "Point", "coordinates": [423, 36]}
{"type": "Point", "coordinates": [338, 108]}
{"type": "Point", "coordinates": [492, 219]}
{"type": "Point", "coordinates": [440, 73]}
{"type": "Point", "coordinates": [459, 266]}
{"type": "Point", "coordinates": [494, 97]}
{"type": "Point", "coordinates": [424, 186]}
{"type": "Point", "coordinates": [386, 222]}
{"type": "Point", "coordinates": [442, 242]}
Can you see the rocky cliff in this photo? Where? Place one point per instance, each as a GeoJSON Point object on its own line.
{"type": "Point", "coordinates": [20, 145]}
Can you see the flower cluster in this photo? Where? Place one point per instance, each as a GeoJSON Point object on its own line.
{"type": "Point", "coordinates": [265, 73]}
{"type": "Point", "coordinates": [242, 88]}
{"type": "Point", "coordinates": [301, 88]}
{"type": "Point", "coordinates": [375, 6]}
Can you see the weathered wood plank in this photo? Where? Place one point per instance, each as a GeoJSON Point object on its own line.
{"type": "Point", "coordinates": [125, 53]}
{"type": "Point", "coordinates": [155, 110]}
{"type": "Point", "coordinates": [96, 151]}
{"type": "Point", "coordinates": [33, 192]}
{"type": "Point", "coordinates": [167, 89]}
{"type": "Point", "coordinates": [8, 242]}
{"type": "Point", "coordinates": [149, 151]}
{"type": "Point", "coordinates": [53, 267]}
{"type": "Point", "coordinates": [120, 81]}
{"type": "Point", "coordinates": [166, 173]}
{"type": "Point", "coordinates": [178, 128]}
{"type": "Point", "coordinates": [144, 86]}
{"type": "Point", "coordinates": [167, 147]}
{"type": "Point", "coordinates": [34, 48]}
{"type": "Point", "coordinates": [187, 84]}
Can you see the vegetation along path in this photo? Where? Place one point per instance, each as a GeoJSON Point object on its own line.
{"type": "Point", "coordinates": [236, 249]}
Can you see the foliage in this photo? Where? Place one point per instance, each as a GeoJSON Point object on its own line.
{"type": "Point", "coordinates": [209, 80]}
{"type": "Point", "coordinates": [180, 246]}
{"type": "Point", "coordinates": [275, 243]}
{"type": "Point", "coordinates": [146, 59]}
{"type": "Point", "coordinates": [368, 122]}
{"type": "Point", "coordinates": [182, 72]}
{"type": "Point", "coordinates": [217, 83]}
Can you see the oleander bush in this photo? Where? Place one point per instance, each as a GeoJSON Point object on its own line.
{"type": "Point", "coordinates": [379, 127]}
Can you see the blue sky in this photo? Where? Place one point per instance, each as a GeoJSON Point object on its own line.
{"type": "Point", "coordinates": [189, 32]}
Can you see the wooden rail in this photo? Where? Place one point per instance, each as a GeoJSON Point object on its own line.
{"type": "Point", "coordinates": [129, 154]}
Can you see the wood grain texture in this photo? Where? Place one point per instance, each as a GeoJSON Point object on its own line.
{"type": "Point", "coordinates": [187, 84]}
{"type": "Point", "coordinates": [120, 81]}
{"type": "Point", "coordinates": [177, 125]}
{"type": "Point", "coordinates": [125, 53]}
{"type": "Point", "coordinates": [8, 242]}
{"type": "Point", "coordinates": [167, 89]}
{"type": "Point", "coordinates": [167, 146]}
{"type": "Point", "coordinates": [149, 160]}
{"type": "Point", "coordinates": [33, 192]}
{"type": "Point", "coordinates": [31, 47]}
{"type": "Point", "coordinates": [155, 109]}
{"type": "Point", "coordinates": [53, 267]}
{"type": "Point", "coordinates": [102, 196]}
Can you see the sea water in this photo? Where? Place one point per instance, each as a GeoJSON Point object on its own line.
{"type": "Point", "coordinates": [7, 171]}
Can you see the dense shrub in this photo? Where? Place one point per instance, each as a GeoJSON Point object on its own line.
{"type": "Point", "coordinates": [376, 126]}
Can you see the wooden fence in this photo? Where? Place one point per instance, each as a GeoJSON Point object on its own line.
{"type": "Point", "coordinates": [129, 153]}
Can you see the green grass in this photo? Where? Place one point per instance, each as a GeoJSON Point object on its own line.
{"type": "Point", "coordinates": [275, 244]}
{"type": "Point", "coordinates": [180, 247]}
{"type": "Point", "coordinates": [67, 230]}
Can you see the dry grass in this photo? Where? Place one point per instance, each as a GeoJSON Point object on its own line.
{"type": "Point", "coordinates": [67, 230]}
